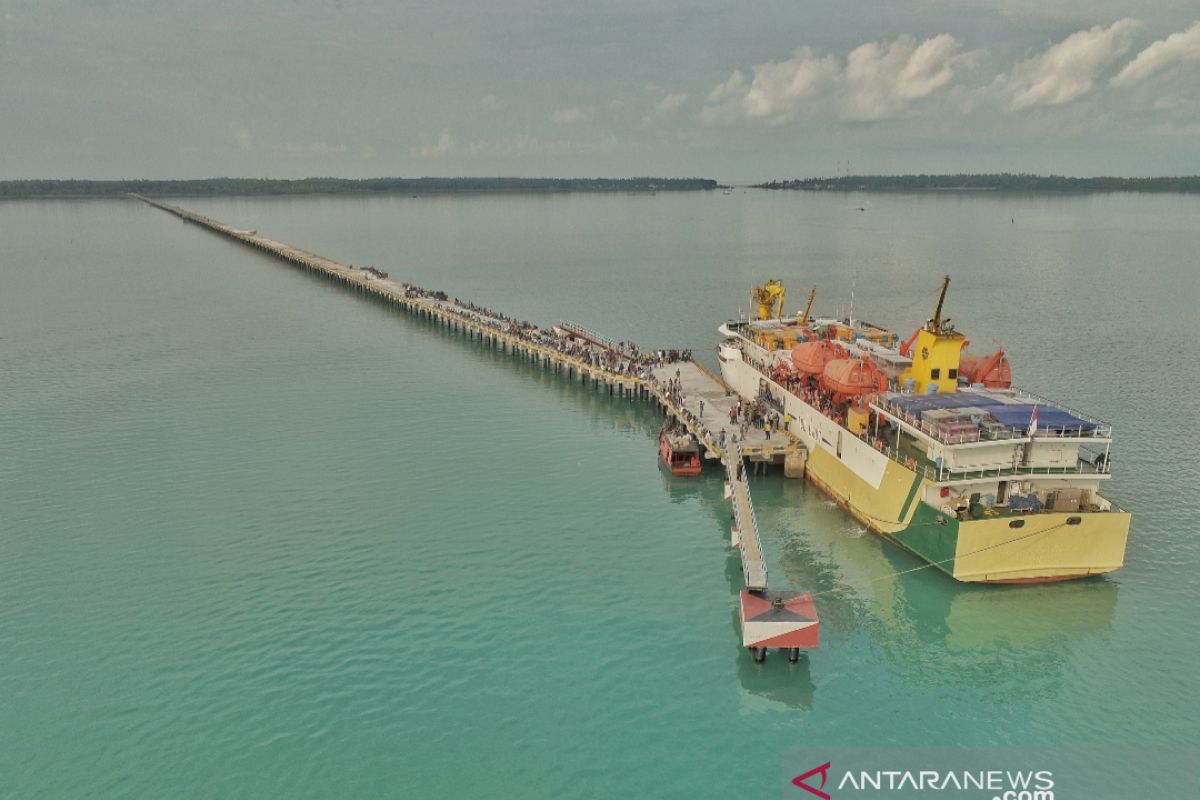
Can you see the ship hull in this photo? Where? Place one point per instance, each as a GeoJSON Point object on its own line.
{"type": "Point", "coordinates": [888, 498]}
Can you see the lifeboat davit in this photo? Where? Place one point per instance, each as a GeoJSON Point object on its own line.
{"type": "Point", "coordinates": [810, 358]}
{"type": "Point", "coordinates": [852, 377]}
{"type": "Point", "coordinates": [993, 371]}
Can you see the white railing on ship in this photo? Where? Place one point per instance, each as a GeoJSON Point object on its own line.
{"type": "Point", "coordinates": [945, 473]}
{"type": "Point", "coordinates": [1101, 431]}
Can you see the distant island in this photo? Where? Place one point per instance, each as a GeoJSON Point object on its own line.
{"type": "Point", "coordinates": [1002, 182]}
{"type": "Point", "coordinates": [230, 187]}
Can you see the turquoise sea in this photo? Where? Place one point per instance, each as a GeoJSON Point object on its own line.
{"type": "Point", "coordinates": [261, 538]}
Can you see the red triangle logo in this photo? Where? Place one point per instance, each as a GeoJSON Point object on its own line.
{"type": "Point", "coordinates": [799, 780]}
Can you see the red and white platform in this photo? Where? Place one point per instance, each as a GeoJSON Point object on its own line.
{"type": "Point", "coordinates": [787, 620]}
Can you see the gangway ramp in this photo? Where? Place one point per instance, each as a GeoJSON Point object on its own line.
{"type": "Point", "coordinates": [749, 544]}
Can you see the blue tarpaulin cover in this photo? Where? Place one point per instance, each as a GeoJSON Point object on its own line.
{"type": "Point", "coordinates": [1008, 411]}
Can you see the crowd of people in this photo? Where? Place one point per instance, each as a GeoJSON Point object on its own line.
{"type": "Point", "coordinates": [624, 358]}
{"type": "Point", "coordinates": [743, 415]}
{"type": "Point", "coordinates": [758, 415]}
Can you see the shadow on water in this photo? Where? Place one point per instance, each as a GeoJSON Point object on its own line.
{"type": "Point", "coordinates": [940, 630]}
{"type": "Point", "coordinates": [776, 680]}
{"type": "Point", "coordinates": [681, 490]}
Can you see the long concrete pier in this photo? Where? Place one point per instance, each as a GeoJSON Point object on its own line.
{"type": "Point", "coordinates": [378, 285]}
{"type": "Point", "coordinates": [700, 401]}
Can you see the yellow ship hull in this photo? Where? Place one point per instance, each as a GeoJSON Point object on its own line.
{"type": "Point", "coordinates": [1032, 548]}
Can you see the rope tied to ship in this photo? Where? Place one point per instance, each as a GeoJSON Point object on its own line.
{"type": "Point", "coordinates": [893, 575]}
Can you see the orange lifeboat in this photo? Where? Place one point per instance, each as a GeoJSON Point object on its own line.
{"type": "Point", "coordinates": [852, 377]}
{"type": "Point", "coordinates": [993, 371]}
{"type": "Point", "coordinates": [810, 358]}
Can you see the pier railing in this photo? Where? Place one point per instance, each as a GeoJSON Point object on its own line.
{"type": "Point", "coordinates": [591, 336]}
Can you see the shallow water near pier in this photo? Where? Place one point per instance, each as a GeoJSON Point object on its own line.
{"type": "Point", "coordinates": [263, 538]}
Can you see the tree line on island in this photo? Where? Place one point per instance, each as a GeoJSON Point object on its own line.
{"type": "Point", "coordinates": [213, 187]}
{"type": "Point", "coordinates": [993, 182]}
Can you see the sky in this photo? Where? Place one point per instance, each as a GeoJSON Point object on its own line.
{"type": "Point", "coordinates": [737, 91]}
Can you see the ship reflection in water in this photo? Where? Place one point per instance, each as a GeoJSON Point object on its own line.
{"type": "Point", "coordinates": [943, 631]}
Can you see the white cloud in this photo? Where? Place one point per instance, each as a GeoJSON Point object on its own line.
{"type": "Point", "coordinates": [489, 102]}
{"type": "Point", "coordinates": [1067, 70]}
{"type": "Point", "coordinates": [883, 81]}
{"type": "Point", "coordinates": [1177, 48]}
{"type": "Point", "coordinates": [442, 147]}
{"type": "Point", "coordinates": [671, 103]}
{"type": "Point", "coordinates": [877, 81]}
{"type": "Point", "coordinates": [776, 93]}
{"type": "Point", "coordinates": [241, 135]}
{"type": "Point", "coordinates": [569, 116]}
{"type": "Point", "coordinates": [778, 89]}
{"type": "Point", "coordinates": [664, 108]}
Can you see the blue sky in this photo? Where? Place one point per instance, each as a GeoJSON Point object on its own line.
{"type": "Point", "coordinates": [733, 91]}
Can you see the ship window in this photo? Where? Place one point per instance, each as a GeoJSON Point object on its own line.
{"type": "Point", "coordinates": [935, 373]}
{"type": "Point", "coordinates": [1017, 523]}
{"type": "Point", "coordinates": [1074, 520]}
{"type": "Point", "coordinates": [952, 374]}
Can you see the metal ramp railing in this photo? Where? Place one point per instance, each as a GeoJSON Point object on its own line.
{"type": "Point", "coordinates": [754, 565]}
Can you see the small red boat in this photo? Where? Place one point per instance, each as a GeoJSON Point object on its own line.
{"type": "Point", "coordinates": [679, 451]}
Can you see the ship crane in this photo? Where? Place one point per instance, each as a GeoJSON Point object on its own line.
{"type": "Point", "coordinates": [769, 298]}
{"type": "Point", "coordinates": [802, 319]}
{"type": "Point", "coordinates": [936, 325]}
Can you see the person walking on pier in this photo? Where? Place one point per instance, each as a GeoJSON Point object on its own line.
{"type": "Point", "coordinates": [702, 408]}
{"type": "Point", "coordinates": [733, 414]}
{"type": "Point", "coordinates": [767, 429]}
{"type": "Point", "coordinates": [721, 439]}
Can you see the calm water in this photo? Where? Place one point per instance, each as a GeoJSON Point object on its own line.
{"type": "Point", "coordinates": [260, 538]}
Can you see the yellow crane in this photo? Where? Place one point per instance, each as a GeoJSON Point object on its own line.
{"type": "Point", "coordinates": [769, 298]}
{"type": "Point", "coordinates": [802, 319]}
{"type": "Point", "coordinates": [936, 325]}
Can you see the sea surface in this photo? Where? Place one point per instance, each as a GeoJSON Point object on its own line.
{"type": "Point", "coordinates": [262, 538]}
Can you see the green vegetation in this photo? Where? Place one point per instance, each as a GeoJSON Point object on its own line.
{"type": "Point", "coordinates": [213, 187]}
{"type": "Point", "coordinates": [1003, 182]}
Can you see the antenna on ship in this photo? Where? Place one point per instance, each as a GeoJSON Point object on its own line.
{"type": "Point", "coordinates": [853, 284]}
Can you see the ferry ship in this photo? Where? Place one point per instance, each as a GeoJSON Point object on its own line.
{"type": "Point", "coordinates": [931, 447]}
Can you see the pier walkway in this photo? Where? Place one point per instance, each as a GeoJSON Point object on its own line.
{"type": "Point", "coordinates": [747, 540]}
{"type": "Point", "coordinates": [704, 411]}
{"type": "Point", "coordinates": [702, 404]}
{"type": "Point", "coordinates": [488, 328]}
